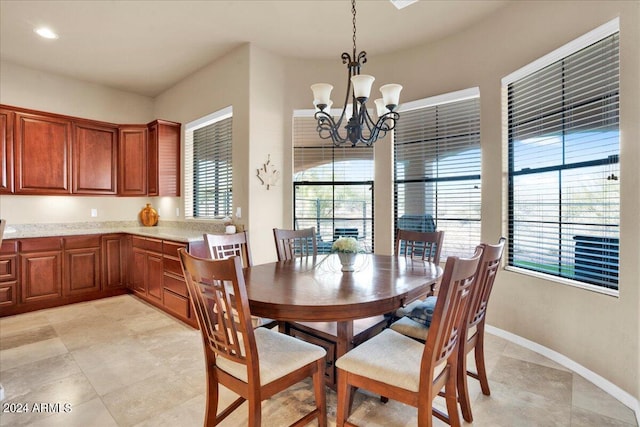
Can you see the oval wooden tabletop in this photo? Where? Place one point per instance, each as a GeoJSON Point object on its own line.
{"type": "Point", "coordinates": [304, 290]}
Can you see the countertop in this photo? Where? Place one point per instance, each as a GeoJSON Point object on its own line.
{"type": "Point", "coordinates": [179, 231]}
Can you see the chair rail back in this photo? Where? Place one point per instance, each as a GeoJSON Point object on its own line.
{"type": "Point", "coordinates": [487, 270]}
{"type": "Point", "coordinates": [295, 243]}
{"type": "Point", "coordinates": [220, 301]}
{"type": "Point", "coordinates": [448, 317]}
{"type": "Point", "coordinates": [222, 246]}
{"type": "Point", "coordinates": [419, 244]}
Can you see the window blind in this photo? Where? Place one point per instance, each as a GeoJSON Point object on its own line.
{"type": "Point", "coordinates": [333, 186]}
{"type": "Point", "coordinates": [437, 172]}
{"type": "Point", "coordinates": [212, 170]}
{"type": "Point", "coordinates": [563, 142]}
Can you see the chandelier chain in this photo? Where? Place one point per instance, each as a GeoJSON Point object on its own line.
{"type": "Point", "coordinates": [353, 12]}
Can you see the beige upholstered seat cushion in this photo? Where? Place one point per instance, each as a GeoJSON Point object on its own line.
{"type": "Point", "coordinates": [411, 328]}
{"type": "Point", "coordinates": [389, 357]}
{"type": "Point", "coordinates": [278, 353]}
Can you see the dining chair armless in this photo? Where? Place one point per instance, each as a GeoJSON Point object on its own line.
{"type": "Point", "coordinates": [403, 369]}
{"type": "Point", "coordinates": [413, 327]}
{"type": "Point", "coordinates": [253, 363]}
{"type": "Point", "coordinates": [223, 246]}
{"type": "Point", "coordinates": [295, 243]}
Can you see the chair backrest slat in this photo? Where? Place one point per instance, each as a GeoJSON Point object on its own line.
{"type": "Point", "coordinates": [448, 317]}
{"type": "Point", "coordinates": [487, 270]}
{"type": "Point", "coordinates": [419, 244]}
{"type": "Point", "coordinates": [295, 243]}
{"type": "Point", "coordinates": [222, 246]}
{"type": "Point", "coordinates": [219, 297]}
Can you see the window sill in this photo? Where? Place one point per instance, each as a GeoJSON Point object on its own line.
{"type": "Point", "coordinates": [564, 281]}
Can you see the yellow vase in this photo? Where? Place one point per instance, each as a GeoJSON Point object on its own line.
{"type": "Point", "coordinates": [149, 216]}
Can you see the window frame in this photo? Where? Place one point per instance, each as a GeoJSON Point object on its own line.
{"type": "Point", "coordinates": [602, 32]}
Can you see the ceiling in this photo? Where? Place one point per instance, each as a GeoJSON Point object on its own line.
{"type": "Point", "coordinates": [147, 46]}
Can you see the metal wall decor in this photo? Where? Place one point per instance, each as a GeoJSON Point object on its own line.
{"type": "Point", "coordinates": [268, 174]}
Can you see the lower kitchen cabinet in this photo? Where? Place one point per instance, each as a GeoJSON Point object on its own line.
{"type": "Point", "coordinates": [41, 269]}
{"type": "Point", "coordinates": [8, 274]}
{"type": "Point", "coordinates": [114, 261]}
{"type": "Point", "coordinates": [146, 268]}
{"type": "Point", "coordinates": [82, 265]}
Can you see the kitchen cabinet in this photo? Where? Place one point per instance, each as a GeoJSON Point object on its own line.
{"type": "Point", "coordinates": [42, 146]}
{"type": "Point", "coordinates": [114, 261]}
{"type": "Point", "coordinates": [132, 160]}
{"type": "Point", "coordinates": [41, 269]}
{"type": "Point", "coordinates": [8, 273]}
{"type": "Point", "coordinates": [175, 294]}
{"type": "Point", "coordinates": [94, 158]}
{"type": "Point", "coordinates": [164, 158]}
{"type": "Point", "coordinates": [6, 150]}
{"type": "Point", "coordinates": [81, 265]}
{"type": "Point", "coordinates": [146, 268]}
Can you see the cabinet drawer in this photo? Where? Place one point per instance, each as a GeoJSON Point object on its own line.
{"type": "Point", "coordinates": [176, 304]}
{"type": "Point", "coordinates": [8, 268]}
{"type": "Point", "coordinates": [82, 242]}
{"type": "Point", "coordinates": [154, 245]}
{"type": "Point", "coordinates": [138, 242]}
{"type": "Point", "coordinates": [41, 244]}
{"type": "Point", "coordinates": [9, 247]}
{"type": "Point", "coordinates": [8, 294]}
{"type": "Point", "coordinates": [176, 284]}
{"type": "Point", "coordinates": [172, 265]}
{"type": "Point", "coordinates": [171, 248]}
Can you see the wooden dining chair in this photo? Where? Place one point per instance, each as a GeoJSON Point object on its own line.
{"type": "Point", "coordinates": [253, 363]}
{"type": "Point", "coordinates": [223, 246]}
{"type": "Point", "coordinates": [403, 369]}
{"type": "Point", "coordinates": [295, 243]}
{"type": "Point", "coordinates": [473, 329]}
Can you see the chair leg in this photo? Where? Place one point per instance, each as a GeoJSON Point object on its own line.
{"type": "Point", "coordinates": [319, 390]}
{"type": "Point", "coordinates": [212, 398]}
{"type": "Point", "coordinates": [451, 398]}
{"type": "Point", "coordinates": [479, 356]}
{"type": "Point", "coordinates": [344, 398]}
{"type": "Point", "coordinates": [255, 411]}
{"type": "Point", "coordinates": [463, 387]}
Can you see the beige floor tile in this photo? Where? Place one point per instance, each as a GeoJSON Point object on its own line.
{"type": "Point", "coordinates": [29, 353]}
{"type": "Point", "coordinates": [88, 331]}
{"type": "Point", "coordinates": [189, 413]}
{"type": "Point", "coordinates": [593, 399]}
{"type": "Point", "coordinates": [27, 336]}
{"type": "Point", "coordinates": [22, 322]}
{"type": "Point", "coordinates": [518, 352]}
{"type": "Point", "coordinates": [585, 418]}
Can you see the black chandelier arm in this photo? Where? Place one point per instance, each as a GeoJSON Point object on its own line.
{"type": "Point", "coordinates": [328, 128]}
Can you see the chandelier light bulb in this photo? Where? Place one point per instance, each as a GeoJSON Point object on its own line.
{"type": "Point", "coordinates": [321, 93]}
{"type": "Point", "coordinates": [391, 95]}
{"type": "Point", "coordinates": [362, 86]}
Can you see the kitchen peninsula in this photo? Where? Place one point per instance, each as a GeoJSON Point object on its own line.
{"type": "Point", "coordinates": [49, 265]}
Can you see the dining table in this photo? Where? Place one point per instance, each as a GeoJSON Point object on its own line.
{"type": "Point", "coordinates": [315, 289]}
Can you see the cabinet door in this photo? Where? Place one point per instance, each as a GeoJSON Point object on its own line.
{"type": "Point", "coordinates": [164, 158]}
{"type": "Point", "coordinates": [82, 267]}
{"type": "Point", "coordinates": [114, 261]}
{"type": "Point", "coordinates": [42, 154]}
{"type": "Point", "coordinates": [132, 161]}
{"type": "Point", "coordinates": [138, 270]}
{"type": "Point", "coordinates": [41, 277]}
{"type": "Point", "coordinates": [95, 159]}
{"type": "Point", "coordinates": [155, 275]}
{"type": "Point", "coordinates": [6, 151]}
{"type": "Point", "coordinates": [8, 274]}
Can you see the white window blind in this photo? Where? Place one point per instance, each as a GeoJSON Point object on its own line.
{"type": "Point", "coordinates": [209, 171]}
{"type": "Point", "coordinates": [437, 171]}
{"type": "Point", "coordinates": [333, 186]}
{"type": "Point", "coordinates": [563, 142]}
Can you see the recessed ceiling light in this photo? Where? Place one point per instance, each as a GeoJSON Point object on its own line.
{"type": "Point", "coordinates": [401, 4]}
{"type": "Point", "coordinates": [46, 33]}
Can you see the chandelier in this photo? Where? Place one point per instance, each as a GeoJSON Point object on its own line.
{"type": "Point", "coordinates": [361, 127]}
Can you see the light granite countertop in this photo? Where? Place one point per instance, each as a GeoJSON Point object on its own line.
{"type": "Point", "coordinates": [179, 231]}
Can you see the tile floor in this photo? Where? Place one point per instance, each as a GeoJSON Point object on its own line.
{"type": "Point", "coordinates": [121, 362]}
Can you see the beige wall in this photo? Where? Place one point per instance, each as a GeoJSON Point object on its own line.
{"type": "Point", "coordinates": [597, 331]}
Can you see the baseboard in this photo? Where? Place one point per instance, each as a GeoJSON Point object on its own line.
{"type": "Point", "coordinates": [601, 382]}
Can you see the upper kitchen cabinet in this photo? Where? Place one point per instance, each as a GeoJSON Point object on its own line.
{"type": "Point", "coordinates": [6, 151]}
{"type": "Point", "coordinates": [132, 161]}
{"type": "Point", "coordinates": [42, 146]}
{"type": "Point", "coordinates": [164, 158]}
{"type": "Point", "coordinates": [95, 158]}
